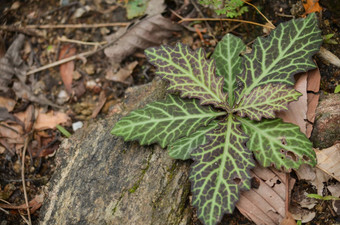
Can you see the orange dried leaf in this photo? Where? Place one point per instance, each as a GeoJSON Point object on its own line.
{"type": "Point", "coordinates": [311, 6]}
{"type": "Point", "coordinates": [50, 120]}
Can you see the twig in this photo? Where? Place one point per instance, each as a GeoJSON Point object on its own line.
{"type": "Point", "coordinates": [225, 19]}
{"type": "Point", "coordinates": [284, 15]}
{"type": "Point", "coordinates": [64, 39]}
{"type": "Point", "coordinates": [23, 179]}
{"type": "Point", "coordinates": [27, 31]}
{"type": "Point", "coordinates": [268, 21]}
{"type": "Point", "coordinates": [59, 62]}
{"type": "Point", "coordinates": [78, 56]}
{"type": "Point", "coordinates": [1, 209]}
{"type": "Point", "coordinates": [62, 26]}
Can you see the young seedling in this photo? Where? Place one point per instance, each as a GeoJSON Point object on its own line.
{"type": "Point", "coordinates": [227, 111]}
{"type": "Point", "coordinates": [230, 8]}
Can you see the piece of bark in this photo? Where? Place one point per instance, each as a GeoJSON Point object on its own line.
{"type": "Point", "coordinates": [100, 179]}
{"type": "Point", "coordinates": [327, 121]}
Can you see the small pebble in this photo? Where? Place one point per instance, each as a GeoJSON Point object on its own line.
{"type": "Point", "coordinates": [77, 125]}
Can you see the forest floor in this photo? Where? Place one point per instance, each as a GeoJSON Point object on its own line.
{"type": "Point", "coordinates": [87, 88]}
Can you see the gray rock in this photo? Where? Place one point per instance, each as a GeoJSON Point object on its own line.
{"type": "Point", "coordinates": [327, 121]}
{"type": "Point", "coordinates": [100, 179]}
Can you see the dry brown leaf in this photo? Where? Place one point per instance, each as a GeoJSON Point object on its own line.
{"type": "Point", "coordinates": [266, 204]}
{"type": "Point", "coordinates": [11, 63]}
{"type": "Point", "coordinates": [328, 161]}
{"type": "Point", "coordinates": [123, 74]}
{"type": "Point", "coordinates": [25, 92]}
{"type": "Point", "coordinates": [304, 109]}
{"type": "Point", "coordinates": [328, 167]}
{"type": "Point", "coordinates": [304, 215]}
{"type": "Point", "coordinates": [149, 31]}
{"type": "Point", "coordinates": [297, 110]}
{"type": "Point", "coordinates": [67, 69]}
{"type": "Point", "coordinates": [6, 116]}
{"type": "Point", "coordinates": [100, 104]}
{"type": "Point", "coordinates": [27, 118]}
{"type": "Point", "coordinates": [313, 87]}
{"type": "Point", "coordinates": [7, 103]}
{"type": "Point", "coordinates": [14, 133]}
{"type": "Point", "coordinates": [34, 204]}
{"type": "Point", "coordinates": [335, 191]}
{"type": "Point", "coordinates": [288, 220]}
{"type": "Point", "coordinates": [51, 119]}
{"type": "Point", "coordinates": [311, 6]}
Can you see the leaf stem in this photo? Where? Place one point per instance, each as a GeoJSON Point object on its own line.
{"type": "Point", "coordinates": [225, 19]}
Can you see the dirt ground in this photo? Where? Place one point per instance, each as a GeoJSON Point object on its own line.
{"type": "Point", "coordinates": [90, 89]}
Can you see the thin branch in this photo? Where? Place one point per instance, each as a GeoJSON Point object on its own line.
{"type": "Point", "coordinates": [224, 19]}
{"type": "Point", "coordinates": [59, 62]}
{"type": "Point", "coordinates": [78, 56]}
{"type": "Point", "coordinates": [29, 32]}
{"type": "Point", "coordinates": [3, 210]}
{"type": "Point", "coordinates": [23, 179]}
{"type": "Point", "coordinates": [268, 21]}
{"type": "Point", "coordinates": [64, 39]}
{"type": "Point", "coordinates": [62, 26]}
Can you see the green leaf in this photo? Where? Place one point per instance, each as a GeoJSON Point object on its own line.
{"type": "Point", "coordinates": [164, 121]}
{"type": "Point", "coordinates": [265, 100]}
{"type": "Point", "coordinates": [63, 131]}
{"type": "Point", "coordinates": [337, 89]}
{"type": "Point", "coordinates": [189, 72]}
{"type": "Point", "coordinates": [274, 142]}
{"type": "Point", "coordinates": [288, 50]}
{"type": "Point", "coordinates": [182, 148]}
{"type": "Point", "coordinates": [228, 62]}
{"type": "Point", "coordinates": [136, 8]}
{"type": "Point", "coordinates": [324, 198]}
{"type": "Point", "coordinates": [221, 169]}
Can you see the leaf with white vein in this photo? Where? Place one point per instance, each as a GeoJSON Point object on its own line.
{"type": "Point", "coordinates": [165, 121]}
{"type": "Point", "coordinates": [189, 72]}
{"type": "Point", "coordinates": [265, 100]}
{"type": "Point", "coordinates": [182, 148]}
{"type": "Point", "coordinates": [221, 169]}
{"type": "Point", "coordinates": [274, 142]}
{"type": "Point", "coordinates": [229, 62]}
{"type": "Point", "coordinates": [287, 51]}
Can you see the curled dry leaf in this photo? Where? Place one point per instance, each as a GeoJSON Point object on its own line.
{"type": "Point", "coordinates": [51, 119]}
{"type": "Point", "coordinates": [266, 203]}
{"type": "Point", "coordinates": [149, 31]}
{"type": "Point", "coordinates": [11, 62]}
{"type": "Point", "coordinates": [123, 74]}
{"type": "Point", "coordinates": [34, 204]}
{"type": "Point", "coordinates": [99, 105]}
